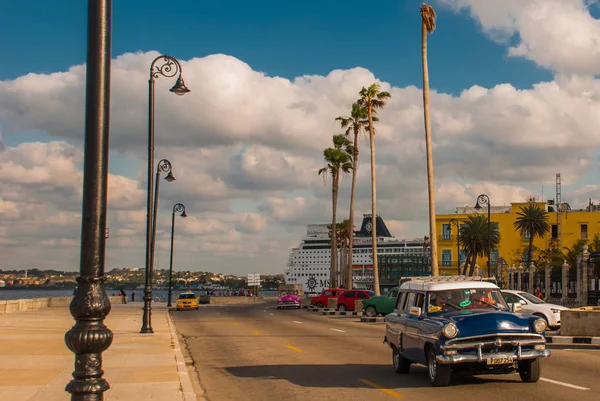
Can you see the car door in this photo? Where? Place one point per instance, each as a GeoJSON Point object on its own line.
{"type": "Point", "coordinates": [411, 327]}
{"type": "Point", "coordinates": [395, 321]}
{"type": "Point", "coordinates": [389, 302]}
{"type": "Point", "coordinates": [361, 296]}
{"type": "Point", "coordinates": [347, 298]}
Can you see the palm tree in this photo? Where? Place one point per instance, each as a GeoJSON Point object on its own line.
{"type": "Point", "coordinates": [357, 122]}
{"type": "Point", "coordinates": [428, 26]}
{"type": "Point", "coordinates": [571, 254]}
{"type": "Point", "coordinates": [372, 99]}
{"type": "Point", "coordinates": [473, 239]}
{"type": "Point", "coordinates": [532, 220]}
{"type": "Point", "coordinates": [337, 160]}
{"type": "Point", "coordinates": [343, 242]}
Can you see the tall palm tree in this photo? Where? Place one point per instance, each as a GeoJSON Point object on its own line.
{"type": "Point", "coordinates": [428, 26]}
{"type": "Point", "coordinates": [338, 160]}
{"type": "Point", "coordinates": [372, 99]}
{"type": "Point", "coordinates": [357, 122]}
{"type": "Point", "coordinates": [344, 244]}
{"type": "Point", "coordinates": [473, 239]}
{"type": "Point", "coordinates": [533, 221]}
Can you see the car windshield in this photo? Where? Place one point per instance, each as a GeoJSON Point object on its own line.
{"type": "Point", "coordinates": [531, 298]}
{"type": "Point", "coordinates": [187, 296]}
{"type": "Point", "coordinates": [465, 299]}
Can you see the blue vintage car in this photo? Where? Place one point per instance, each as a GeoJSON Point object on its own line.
{"type": "Point", "coordinates": [452, 323]}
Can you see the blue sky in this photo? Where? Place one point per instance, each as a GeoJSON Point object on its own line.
{"type": "Point", "coordinates": [281, 38]}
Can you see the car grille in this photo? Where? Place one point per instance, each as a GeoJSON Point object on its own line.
{"type": "Point", "coordinates": [495, 342]}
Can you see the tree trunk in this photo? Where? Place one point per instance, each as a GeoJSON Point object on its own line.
{"type": "Point", "coordinates": [529, 252]}
{"type": "Point", "coordinates": [473, 263]}
{"type": "Point", "coordinates": [430, 185]}
{"type": "Point", "coordinates": [373, 202]}
{"type": "Point", "coordinates": [334, 250]}
{"type": "Point", "coordinates": [351, 223]}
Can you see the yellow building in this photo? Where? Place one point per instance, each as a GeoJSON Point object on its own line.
{"type": "Point", "coordinates": [567, 227]}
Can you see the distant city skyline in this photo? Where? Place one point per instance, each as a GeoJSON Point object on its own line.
{"type": "Point", "coordinates": [514, 101]}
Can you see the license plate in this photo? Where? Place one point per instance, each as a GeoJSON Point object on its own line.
{"type": "Point", "coordinates": [500, 360]}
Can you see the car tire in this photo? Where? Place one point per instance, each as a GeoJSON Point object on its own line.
{"type": "Point", "coordinates": [319, 305]}
{"type": "Point", "coordinates": [371, 311]}
{"type": "Point", "coordinates": [400, 363]}
{"type": "Point", "coordinates": [439, 374]}
{"type": "Point", "coordinates": [530, 370]}
{"type": "Point", "coordinates": [542, 316]}
{"type": "Point", "coordinates": [342, 308]}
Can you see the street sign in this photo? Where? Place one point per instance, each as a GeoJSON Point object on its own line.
{"type": "Point", "coordinates": [253, 279]}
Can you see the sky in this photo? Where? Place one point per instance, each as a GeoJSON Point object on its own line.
{"type": "Point", "coordinates": [515, 99]}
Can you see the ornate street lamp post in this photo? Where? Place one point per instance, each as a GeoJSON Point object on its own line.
{"type": "Point", "coordinates": [178, 208]}
{"type": "Point", "coordinates": [454, 222]}
{"type": "Point", "coordinates": [483, 198]}
{"type": "Point", "coordinates": [168, 67]}
{"type": "Point", "coordinates": [163, 166]}
{"type": "Point", "coordinates": [89, 337]}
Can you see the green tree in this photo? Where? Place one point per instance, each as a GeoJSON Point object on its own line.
{"type": "Point", "coordinates": [357, 122]}
{"type": "Point", "coordinates": [338, 160]}
{"type": "Point", "coordinates": [532, 220]}
{"type": "Point", "coordinates": [474, 240]}
{"type": "Point", "coordinates": [372, 98]}
{"type": "Point", "coordinates": [428, 17]}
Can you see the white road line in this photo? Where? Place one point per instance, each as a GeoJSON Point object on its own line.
{"type": "Point", "coordinates": [579, 349]}
{"type": "Point", "coordinates": [338, 330]}
{"type": "Point", "coordinates": [295, 321]}
{"type": "Point", "coordinates": [563, 384]}
{"type": "Point", "coordinates": [270, 314]}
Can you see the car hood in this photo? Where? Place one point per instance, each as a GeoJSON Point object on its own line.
{"type": "Point", "coordinates": [484, 322]}
{"type": "Point", "coordinates": [289, 298]}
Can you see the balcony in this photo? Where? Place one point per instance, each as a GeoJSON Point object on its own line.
{"type": "Point", "coordinates": [446, 238]}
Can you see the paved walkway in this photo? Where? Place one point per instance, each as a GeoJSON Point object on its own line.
{"type": "Point", "coordinates": [36, 365]}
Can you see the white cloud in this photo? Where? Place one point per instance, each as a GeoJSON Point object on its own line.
{"type": "Point", "coordinates": [246, 149]}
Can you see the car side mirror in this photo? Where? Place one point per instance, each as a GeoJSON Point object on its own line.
{"type": "Point", "coordinates": [516, 308]}
{"type": "Point", "coordinates": [415, 310]}
{"type": "Point", "coordinates": [523, 302]}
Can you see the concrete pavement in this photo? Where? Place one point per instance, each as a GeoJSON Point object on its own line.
{"type": "Point", "coordinates": [261, 353]}
{"type": "Point", "coordinates": [36, 365]}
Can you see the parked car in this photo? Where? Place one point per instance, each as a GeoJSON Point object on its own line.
{"type": "Point", "coordinates": [288, 301]}
{"type": "Point", "coordinates": [382, 304]}
{"type": "Point", "coordinates": [321, 300]}
{"type": "Point", "coordinates": [450, 324]}
{"type": "Point", "coordinates": [347, 300]}
{"type": "Point", "coordinates": [533, 305]}
{"type": "Point", "coordinates": [187, 300]}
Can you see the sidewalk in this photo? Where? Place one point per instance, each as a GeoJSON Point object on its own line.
{"type": "Point", "coordinates": [36, 365]}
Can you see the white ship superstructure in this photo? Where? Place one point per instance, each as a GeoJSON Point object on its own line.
{"type": "Point", "coordinates": [309, 264]}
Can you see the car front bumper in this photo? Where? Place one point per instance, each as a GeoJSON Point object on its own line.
{"type": "Point", "coordinates": [462, 358]}
{"type": "Point", "coordinates": [289, 305]}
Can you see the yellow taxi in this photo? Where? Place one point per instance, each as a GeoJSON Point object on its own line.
{"type": "Point", "coordinates": [187, 300]}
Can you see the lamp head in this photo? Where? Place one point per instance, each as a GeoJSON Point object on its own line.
{"type": "Point", "coordinates": [170, 177]}
{"type": "Point", "coordinates": [183, 214]}
{"type": "Point", "coordinates": [477, 206]}
{"type": "Point", "coordinates": [179, 88]}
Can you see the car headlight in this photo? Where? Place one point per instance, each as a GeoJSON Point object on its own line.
{"type": "Point", "coordinates": [450, 330]}
{"type": "Point", "coordinates": [540, 325]}
{"type": "Point", "coordinates": [554, 310]}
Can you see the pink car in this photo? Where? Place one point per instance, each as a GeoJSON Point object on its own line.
{"type": "Point", "coordinates": [288, 301]}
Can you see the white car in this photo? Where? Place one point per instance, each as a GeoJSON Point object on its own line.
{"type": "Point", "coordinates": [533, 305]}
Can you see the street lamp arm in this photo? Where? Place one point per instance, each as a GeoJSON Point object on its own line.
{"type": "Point", "coordinates": [169, 68]}
{"type": "Point", "coordinates": [164, 166]}
{"type": "Point", "coordinates": [179, 208]}
{"type": "Point", "coordinates": [483, 199]}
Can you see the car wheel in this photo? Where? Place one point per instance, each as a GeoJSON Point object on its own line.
{"type": "Point", "coordinates": [530, 370]}
{"type": "Point", "coordinates": [401, 364]}
{"type": "Point", "coordinates": [439, 374]}
{"type": "Point", "coordinates": [370, 311]}
{"type": "Point", "coordinates": [542, 317]}
{"type": "Point", "coordinates": [342, 308]}
{"type": "Point", "coordinates": [197, 307]}
{"type": "Point", "coordinates": [319, 305]}
{"type": "Point", "coordinates": [279, 307]}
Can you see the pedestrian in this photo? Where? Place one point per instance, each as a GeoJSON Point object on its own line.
{"type": "Point", "coordinates": [123, 296]}
{"type": "Point", "coordinates": [538, 293]}
{"type": "Point", "coordinates": [133, 295]}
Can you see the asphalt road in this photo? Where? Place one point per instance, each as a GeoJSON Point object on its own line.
{"type": "Point", "coordinates": [260, 353]}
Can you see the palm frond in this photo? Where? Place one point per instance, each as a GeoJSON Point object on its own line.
{"type": "Point", "coordinates": [428, 17]}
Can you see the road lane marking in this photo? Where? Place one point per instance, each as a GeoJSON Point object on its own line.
{"type": "Point", "coordinates": [256, 332]}
{"type": "Point", "coordinates": [382, 389]}
{"type": "Point", "coordinates": [338, 330]}
{"type": "Point", "coordinates": [236, 324]}
{"type": "Point", "coordinates": [270, 314]}
{"type": "Point", "coordinates": [563, 384]}
{"type": "Point", "coordinates": [294, 348]}
{"type": "Point", "coordinates": [295, 321]}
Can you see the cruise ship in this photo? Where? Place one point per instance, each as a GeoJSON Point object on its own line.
{"type": "Point", "coordinates": [309, 264]}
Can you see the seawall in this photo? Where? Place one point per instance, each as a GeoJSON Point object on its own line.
{"type": "Point", "coordinates": [24, 305]}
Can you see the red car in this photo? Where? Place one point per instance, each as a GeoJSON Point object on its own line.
{"type": "Point", "coordinates": [347, 300]}
{"type": "Point", "coordinates": [320, 301]}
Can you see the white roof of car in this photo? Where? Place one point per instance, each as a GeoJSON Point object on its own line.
{"type": "Point", "coordinates": [438, 283]}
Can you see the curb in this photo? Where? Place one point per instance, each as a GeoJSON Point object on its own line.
{"type": "Point", "coordinates": [378, 319]}
{"type": "Point", "coordinates": [185, 382]}
{"type": "Point", "coordinates": [572, 340]}
{"type": "Point", "coordinates": [338, 313]}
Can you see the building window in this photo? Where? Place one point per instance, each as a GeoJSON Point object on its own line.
{"type": "Point", "coordinates": [463, 257]}
{"type": "Point", "coordinates": [446, 257]}
{"type": "Point", "coordinates": [494, 258]}
{"type": "Point", "coordinates": [584, 231]}
{"type": "Point", "coordinates": [554, 231]}
{"type": "Point", "coordinates": [446, 232]}
{"type": "Point", "coordinates": [526, 234]}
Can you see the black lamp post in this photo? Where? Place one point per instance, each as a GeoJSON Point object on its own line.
{"type": "Point", "coordinates": [454, 222]}
{"type": "Point", "coordinates": [168, 67]}
{"type": "Point", "coordinates": [89, 337]}
{"type": "Point", "coordinates": [483, 198]}
{"type": "Point", "coordinates": [178, 208]}
{"type": "Point", "coordinates": [163, 166]}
